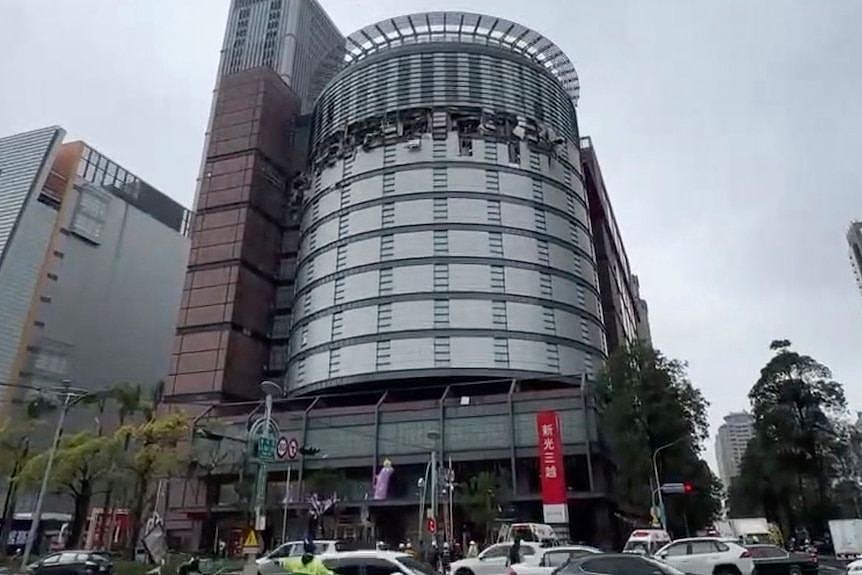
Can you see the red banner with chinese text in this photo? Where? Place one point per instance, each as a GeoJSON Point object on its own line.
{"type": "Point", "coordinates": [551, 470]}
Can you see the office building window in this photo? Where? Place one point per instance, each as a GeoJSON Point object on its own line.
{"type": "Point", "coordinates": [88, 220]}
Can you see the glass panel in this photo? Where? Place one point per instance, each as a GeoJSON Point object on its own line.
{"type": "Point", "coordinates": [702, 547]}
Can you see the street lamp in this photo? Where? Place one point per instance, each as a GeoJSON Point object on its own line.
{"type": "Point", "coordinates": [72, 397]}
{"type": "Point", "coordinates": [655, 453]}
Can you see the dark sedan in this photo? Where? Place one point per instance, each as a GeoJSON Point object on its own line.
{"type": "Point", "coordinates": [773, 560]}
{"type": "Point", "coordinates": [72, 563]}
{"type": "Point", "coordinates": [616, 564]}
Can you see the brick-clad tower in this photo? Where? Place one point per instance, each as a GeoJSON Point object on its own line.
{"type": "Point", "coordinates": [222, 342]}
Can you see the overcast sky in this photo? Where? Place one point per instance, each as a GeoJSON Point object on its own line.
{"type": "Point", "coordinates": [729, 134]}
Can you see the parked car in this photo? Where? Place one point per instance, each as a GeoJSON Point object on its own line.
{"type": "Point", "coordinates": [854, 567]}
{"type": "Point", "coordinates": [646, 541]}
{"type": "Point", "coordinates": [373, 562]}
{"type": "Point", "coordinates": [271, 562]}
{"type": "Point", "coordinates": [773, 560]}
{"type": "Point", "coordinates": [617, 564]}
{"type": "Point", "coordinates": [72, 563]}
{"type": "Point", "coordinates": [493, 560]}
{"type": "Point", "coordinates": [547, 560]}
{"type": "Point", "coordinates": [707, 556]}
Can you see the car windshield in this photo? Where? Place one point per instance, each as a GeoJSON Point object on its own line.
{"type": "Point", "coordinates": [637, 547]}
{"type": "Point", "coordinates": [417, 567]}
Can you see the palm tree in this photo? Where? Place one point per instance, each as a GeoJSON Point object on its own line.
{"type": "Point", "coordinates": [129, 398]}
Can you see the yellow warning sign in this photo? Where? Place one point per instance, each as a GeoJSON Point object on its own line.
{"type": "Point", "coordinates": [251, 542]}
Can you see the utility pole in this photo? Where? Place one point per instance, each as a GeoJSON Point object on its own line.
{"type": "Point", "coordinates": [40, 500]}
{"type": "Point", "coordinates": [662, 516]}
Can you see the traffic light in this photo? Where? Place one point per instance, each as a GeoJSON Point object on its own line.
{"type": "Point", "coordinates": [687, 488]}
{"type": "Point", "coordinates": [309, 450]}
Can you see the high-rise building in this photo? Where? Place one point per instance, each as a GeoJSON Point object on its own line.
{"type": "Point", "coordinates": [730, 443]}
{"type": "Point", "coordinates": [415, 260]}
{"type": "Point", "coordinates": [91, 267]}
{"type": "Point", "coordinates": [854, 239]}
{"type": "Point", "coordinates": [295, 38]}
{"type": "Point", "coordinates": [625, 317]}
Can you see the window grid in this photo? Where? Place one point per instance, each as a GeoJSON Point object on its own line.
{"type": "Point", "coordinates": [541, 222]}
{"type": "Point", "coordinates": [549, 319]}
{"type": "Point", "coordinates": [306, 303]}
{"type": "Point", "coordinates": [338, 290]}
{"type": "Point", "coordinates": [538, 190]}
{"type": "Point", "coordinates": [337, 323]}
{"type": "Point", "coordinates": [441, 313]}
{"type": "Point", "coordinates": [385, 282]}
{"type": "Point", "coordinates": [441, 242]}
{"type": "Point", "coordinates": [495, 243]}
{"type": "Point", "coordinates": [340, 257]}
{"type": "Point", "coordinates": [343, 225]}
{"type": "Point", "coordinates": [442, 355]}
{"type": "Point", "coordinates": [498, 314]}
{"type": "Point", "coordinates": [545, 284]}
{"type": "Point", "coordinates": [543, 252]}
{"type": "Point", "coordinates": [387, 214]}
{"type": "Point", "coordinates": [441, 277]}
{"type": "Point", "coordinates": [384, 316]}
{"type": "Point", "coordinates": [438, 150]}
{"type": "Point", "coordinates": [389, 154]}
{"type": "Point", "coordinates": [439, 178]}
{"type": "Point", "coordinates": [441, 209]}
{"type": "Point", "coordinates": [345, 196]}
{"type": "Point", "coordinates": [535, 162]}
{"type": "Point", "coordinates": [492, 180]}
{"type": "Point", "coordinates": [585, 330]}
{"type": "Point", "coordinates": [491, 151]}
{"type": "Point", "coordinates": [384, 349]}
{"type": "Point", "coordinates": [501, 352]}
{"type": "Point", "coordinates": [387, 246]}
{"type": "Point", "coordinates": [552, 356]}
{"type": "Point", "coordinates": [334, 362]}
{"type": "Point", "coordinates": [347, 166]}
{"type": "Point", "coordinates": [498, 279]}
{"type": "Point", "coordinates": [494, 215]}
{"type": "Point", "coordinates": [388, 183]}
{"type": "Point", "coordinates": [300, 370]}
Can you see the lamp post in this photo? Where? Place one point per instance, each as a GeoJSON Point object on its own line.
{"type": "Point", "coordinates": [662, 518]}
{"type": "Point", "coordinates": [434, 435]}
{"type": "Point", "coordinates": [71, 396]}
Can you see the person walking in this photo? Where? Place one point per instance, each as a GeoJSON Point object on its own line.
{"type": "Point", "coordinates": [514, 552]}
{"type": "Point", "coordinates": [306, 564]}
{"type": "Point", "coordinates": [472, 550]}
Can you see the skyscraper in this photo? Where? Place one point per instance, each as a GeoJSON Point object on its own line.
{"type": "Point", "coordinates": [415, 260]}
{"type": "Point", "coordinates": [854, 239]}
{"type": "Point", "coordinates": [91, 264]}
{"type": "Point", "coordinates": [730, 444]}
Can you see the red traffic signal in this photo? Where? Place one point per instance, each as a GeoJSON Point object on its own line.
{"type": "Point", "coordinates": [431, 525]}
{"type": "Point", "coordinates": [687, 488]}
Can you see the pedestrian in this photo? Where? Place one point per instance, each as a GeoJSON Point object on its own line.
{"type": "Point", "coordinates": [472, 550]}
{"type": "Point", "coordinates": [306, 564]}
{"type": "Point", "coordinates": [515, 552]}
{"type": "Point", "coordinates": [434, 556]}
{"type": "Point", "coordinates": [445, 557]}
{"type": "Point", "coordinates": [409, 549]}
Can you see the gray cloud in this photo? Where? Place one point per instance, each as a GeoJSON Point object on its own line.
{"type": "Point", "coordinates": [728, 133]}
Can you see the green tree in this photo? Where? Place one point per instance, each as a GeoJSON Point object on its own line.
{"type": "Point", "coordinates": [793, 463]}
{"type": "Point", "coordinates": [154, 451]}
{"type": "Point", "coordinates": [480, 497]}
{"type": "Point", "coordinates": [646, 402]}
{"type": "Point", "coordinates": [81, 460]}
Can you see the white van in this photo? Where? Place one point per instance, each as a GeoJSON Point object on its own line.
{"type": "Point", "coordinates": [531, 532]}
{"type": "Point", "coordinates": [646, 541]}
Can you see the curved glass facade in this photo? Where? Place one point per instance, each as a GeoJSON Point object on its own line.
{"type": "Point", "coordinates": [445, 230]}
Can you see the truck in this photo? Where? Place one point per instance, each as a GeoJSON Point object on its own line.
{"type": "Point", "coordinates": [747, 530]}
{"type": "Point", "coordinates": [846, 537]}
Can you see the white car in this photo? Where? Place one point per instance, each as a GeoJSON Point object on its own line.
{"type": "Point", "coordinates": [707, 556]}
{"type": "Point", "coordinates": [271, 562]}
{"type": "Point", "coordinates": [493, 560]}
{"type": "Point", "coordinates": [373, 562]}
{"type": "Point", "coordinates": [855, 567]}
{"type": "Point", "coordinates": [549, 558]}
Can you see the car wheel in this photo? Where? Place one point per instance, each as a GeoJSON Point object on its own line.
{"type": "Point", "coordinates": [727, 570]}
{"type": "Point", "coordinates": [794, 570]}
{"type": "Point", "coordinates": [463, 571]}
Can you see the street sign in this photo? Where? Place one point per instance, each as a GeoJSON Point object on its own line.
{"type": "Point", "coordinates": [251, 543]}
{"type": "Point", "coordinates": [292, 448]}
{"type": "Point", "coordinates": [265, 448]}
{"type": "Point", "coordinates": [281, 447]}
{"type": "Point", "coordinates": [676, 488]}
{"type": "Point", "coordinates": [431, 525]}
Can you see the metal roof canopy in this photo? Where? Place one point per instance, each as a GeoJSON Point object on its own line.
{"type": "Point", "coordinates": [465, 27]}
